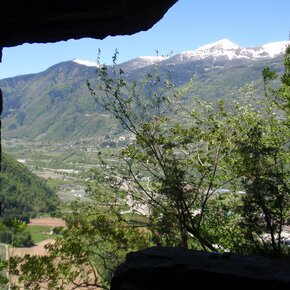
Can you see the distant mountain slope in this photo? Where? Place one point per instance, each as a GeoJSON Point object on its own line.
{"type": "Point", "coordinates": [22, 192]}
{"type": "Point", "coordinates": [55, 105]}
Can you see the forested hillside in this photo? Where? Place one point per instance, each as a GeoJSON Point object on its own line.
{"type": "Point", "coordinates": [23, 193]}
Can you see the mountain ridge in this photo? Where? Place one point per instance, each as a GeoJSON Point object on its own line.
{"type": "Point", "coordinates": [220, 48]}
{"type": "Point", "coordinates": [232, 50]}
{"type": "Point", "coordinates": [55, 105]}
{"type": "Point", "coordinates": [264, 51]}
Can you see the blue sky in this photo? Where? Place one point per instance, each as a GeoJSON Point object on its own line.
{"type": "Point", "coordinates": [186, 26]}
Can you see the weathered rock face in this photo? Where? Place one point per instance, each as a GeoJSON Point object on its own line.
{"type": "Point", "coordinates": [55, 20]}
{"type": "Point", "coordinates": [177, 268]}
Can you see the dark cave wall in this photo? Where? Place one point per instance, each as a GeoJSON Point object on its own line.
{"type": "Point", "coordinates": [56, 20]}
{"type": "Point", "coordinates": [161, 268]}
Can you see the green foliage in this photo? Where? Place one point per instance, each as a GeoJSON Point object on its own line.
{"type": "Point", "coordinates": [183, 160]}
{"type": "Point", "coordinates": [279, 97]}
{"type": "Point", "coordinates": [15, 233]}
{"type": "Point", "coordinates": [266, 181]}
{"type": "Point", "coordinates": [3, 278]}
{"type": "Point", "coordinates": [22, 193]}
{"type": "Point", "coordinates": [215, 178]}
{"type": "Point", "coordinates": [190, 161]}
{"type": "Point", "coordinates": [94, 242]}
{"type": "Point", "coordinates": [23, 239]}
{"type": "Point", "coordinates": [263, 162]}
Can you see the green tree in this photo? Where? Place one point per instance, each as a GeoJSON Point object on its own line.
{"type": "Point", "coordinates": [92, 244]}
{"type": "Point", "coordinates": [14, 232]}
{"type": "Point", "coordinates": [263, 163]}
{"type": "Point", "coordinates": [206, 176]}
{"type": "Point", "coordinates": [184, 160]}
{"type": "Point", "coordinates": [187, 161]}
{"type": "Point", "coordinates": [280, 97]}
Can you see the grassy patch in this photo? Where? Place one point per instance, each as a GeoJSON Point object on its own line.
{"type": "Point", "coordinates": [40, 233]}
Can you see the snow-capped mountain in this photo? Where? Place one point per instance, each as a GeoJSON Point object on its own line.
{"type": "Point", "coordinates": [130, 65]}
{"type": "Point", "coordinates": [221, 50]}
{"type": "Point", "coordinates": [140, 62]}
{"type": "Point", "coordinates": [56, 105]}
{"type": "Point", "coordinates": [227, 49]}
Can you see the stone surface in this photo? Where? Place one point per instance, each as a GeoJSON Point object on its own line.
{"type": "Point", "coordinates": [50, 21]}
{"type": "Point", "coordinates": [177, 268]}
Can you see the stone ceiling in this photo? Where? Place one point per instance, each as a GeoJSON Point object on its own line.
{"type": "Point", "coordinates": [35, 21]}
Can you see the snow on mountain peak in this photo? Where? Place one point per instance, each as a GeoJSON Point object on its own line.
{"type": "Point", "coordinates": [84, 62]}
{"type": "Point", "coordinates": [224, 49]}
{"type": "Point", "coordinates": [275, 48]}
{"type": "Point", "coordinates": [221, 48]}
{"type": "Point", "coordinates": [152, 59]}
{"type": "Point", "coordinates": [141, 61]}
{"type": "Point", "coordinates": [227, 49]}
{"type": "Point", "coordinates": [223, 44]}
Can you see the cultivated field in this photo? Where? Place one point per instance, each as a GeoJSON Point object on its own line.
{"type": "Point", "coordinates": [39, 249]}
{"type": "Point", "coordinates": [47, 221]}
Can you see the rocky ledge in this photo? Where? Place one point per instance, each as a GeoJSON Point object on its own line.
{"type": "Point", "coordinates": [178, 268]}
